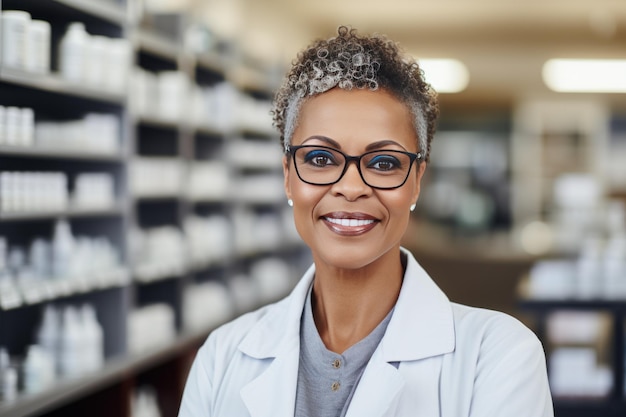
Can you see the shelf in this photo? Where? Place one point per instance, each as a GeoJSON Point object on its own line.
{"type": "Point", "coordinates": [66, 391]}
{"type": "Point", "coordinates": [615, 404]}
{"type": "Point", "coordinates": [146, 274]}
{"type": "Point", "coordinates": [210, 62]}
{"type": "Point", "coordinates": [70, 213]}
{"type": "Point", "coordinates": [157, 196]}
{"type": "Point", "coordinates": [618, 306]}
{"type": "Point", "coordinates": [57, 153]}
{"type": "Point", "coordinates": [200, 200]}
{"type": "Point", "coordinates": [55, 84]}
{"type": "Point", "coordinates": [586, 408]}
{"type": "Point", "coordinates": [51, 290]}
{"type": "Point", "coordinates": [208, 130]}
{"type": "Point", "coordinates": [158, 122]}
{"type": "Point", "coordinates": [100, 9]}
{"type": "Point", "coordinates": [197, 267]}
{"type": "Point", "coordinates": [157, 45]}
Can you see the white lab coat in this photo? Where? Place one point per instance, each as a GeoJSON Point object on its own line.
{"type": "Point", "coordinates": [454, 361]}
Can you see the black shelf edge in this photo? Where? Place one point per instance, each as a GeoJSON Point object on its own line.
{"type": "Point", "coordinates": [156, 197]}
{"type": "Point", "coordinates": [55, 84]}
{"type": "Point", "coordinates": [157, 122]}
{"type": "Point", "coordinates": [573, 304]}
{"type": "Point", "coordinates": [208, 130]}
{"type": "Point", "coordinates": [157, 45]}
{"type": "Point", "coordinates": [66, 391]}
{"type": "Point", "coordinates": [117, 210]}
{"type": "Point", "coordinates": [56, 153]}
{"type": "Point", "coordinates": [210, 62]}
{"type": "Point", "coordinates": [98, 8]}
{"type": "Point", "coordinates": [589, 407]}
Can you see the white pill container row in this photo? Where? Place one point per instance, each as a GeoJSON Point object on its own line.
{"type": "Point", "coordinates": [25, 42]}
{"type": "Point", "coordinates": [25, 192]}
{"type": "Point", "coordinates": [17, 126]}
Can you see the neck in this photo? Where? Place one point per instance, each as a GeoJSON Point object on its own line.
{"type": "Point", "coordinates": [349, 304]}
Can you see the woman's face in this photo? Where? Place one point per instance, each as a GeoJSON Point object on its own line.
{"type": "Point", "coordinates": [353, 122]}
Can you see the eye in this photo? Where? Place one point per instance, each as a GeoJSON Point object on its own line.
{"type": "Point", "coordinates": [384, 162]}
{"type": "Point", "coordinates": [320, 158]}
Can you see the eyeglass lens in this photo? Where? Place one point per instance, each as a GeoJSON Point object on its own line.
{"type": "Point", "coordinates": [379, 169]}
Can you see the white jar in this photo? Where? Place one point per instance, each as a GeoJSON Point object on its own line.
{"type": "Point", "coordinates": [27, 127]}
{"type": "Point", "coordinates": [95, 61]}
{"type": "Point", "coordinates": [14, 36]}
{"type": "Point", "coordinates": [38, 47]}
{"type": "Point", "coordinates": [12, 131]}
{"type": "Point", "coordinates": [2, 124]}
{"type": "Point", "coordinates": [72, 56]}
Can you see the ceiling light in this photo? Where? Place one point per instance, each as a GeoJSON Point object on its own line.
{"type": "Point", "coordinates": [585, 75]}
{"type": "Point", "coordinates": [445, 75]}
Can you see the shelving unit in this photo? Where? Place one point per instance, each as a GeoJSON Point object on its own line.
{"type": "Point", "coordinates": [142, 136]}
{"type": "Point", "coordinates": [615, 404]}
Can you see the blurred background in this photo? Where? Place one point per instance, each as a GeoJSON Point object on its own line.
{"type": "Point", "coordinates": [141, 197]}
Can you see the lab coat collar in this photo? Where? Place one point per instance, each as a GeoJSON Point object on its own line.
{"type": "Point", "coordinates": [422, 324]}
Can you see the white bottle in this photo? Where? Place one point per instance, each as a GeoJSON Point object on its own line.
{"type": "Point", "coordinates": [14, 37]}
{"type": "Point", "coordinates": [3, 256]}
{"type": "Point", "coordinates": [118, 63]}
{"type": "Point", "coordinates": [27, 127]}
{"type": "Point", "coordinates": [2, 124]}
{"type": "Point", "coordinates": [8, 384]}
{"type": "Point", "coordinates": [38, 47]}
{"type": "Point", "coordinates": [589, 280]}
{"type": "Point", "coordinates": [12, 123]}
{"type": "Point", "coordinates": [33, 370]}
{"type": "Point", "coordinates": [95, 52]}
{"type": "Point", "coordinates": [62, 249]}
{"type": "Point", "coordinates": [72, 56]}
{"type": "Point", "coordinates": [614, 267]}
{"type": "Point", "coordinates": [39, 255]}
{"type": "Point", "coordinates": [71, 351]}
{"type": "Point", "coordinates": [94, 339]}
{"type": "Point", "coordinates": [48, 334]}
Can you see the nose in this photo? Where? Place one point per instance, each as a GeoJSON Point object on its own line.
{"type": "Point", "coordinates": [351, 185]}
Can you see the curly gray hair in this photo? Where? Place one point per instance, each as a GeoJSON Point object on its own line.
{"type": "Point", "coordinates": [350, 61]}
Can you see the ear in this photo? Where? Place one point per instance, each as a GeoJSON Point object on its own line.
{"type": "Point", "coordinates": [420, 174]}
{"type": "Point", "coordinates": [286, 173]}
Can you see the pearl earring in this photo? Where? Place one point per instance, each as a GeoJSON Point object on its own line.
{"type": "Point", "coordinates": [412, 208]}
{"type": "Point", "coordinates": [290, 202]}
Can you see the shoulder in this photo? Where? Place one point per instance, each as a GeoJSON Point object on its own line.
{"type": "Point", "coordinates": [229, 335]}
{"type": "Point", "coordinates": [496, 342]}
{"type": "Point", "coordinates": [501, 362]}
{"type": "Point", "coordinates": [492, 331]}
{"type": "Point", "coordinates": [488, 323]}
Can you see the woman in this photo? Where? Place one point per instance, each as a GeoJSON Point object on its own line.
{"type": "Point", "coordinates": [366, 332]}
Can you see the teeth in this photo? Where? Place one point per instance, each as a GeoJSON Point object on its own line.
{"type": "Point", "coordinates": [349, 222]}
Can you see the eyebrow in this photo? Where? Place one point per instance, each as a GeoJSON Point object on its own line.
{"type": "Point", "coordinates": [372, 146]}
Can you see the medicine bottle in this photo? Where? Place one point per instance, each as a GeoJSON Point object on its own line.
{"type": "Point", "coordinates": [72, 52]}
{"type": "Point", "coordinates": [38, 47]}
{"type": "Point", "coordinates": [14, 26]}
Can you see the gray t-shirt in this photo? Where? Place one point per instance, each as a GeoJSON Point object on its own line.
{"type": "Point", "coordinates": [327, 380]}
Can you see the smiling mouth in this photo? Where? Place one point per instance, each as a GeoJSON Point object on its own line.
{"type": "Point", "coordinates": [346, 225]}
{"type": "Point", "coordinates": [349, 222]}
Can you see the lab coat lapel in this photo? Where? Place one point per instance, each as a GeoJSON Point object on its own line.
{"type": "Point", "coordinates": [378, 391]}
{"type": "Point", "coordinates": [420, 332]}
{"type": "Point", "coordinates": [276, 339]}
{"type": "Point", "coordinates": [273, 393]}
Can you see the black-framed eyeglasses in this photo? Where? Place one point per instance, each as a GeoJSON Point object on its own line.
{"type": "Point", "coordinates": [381, 169]}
